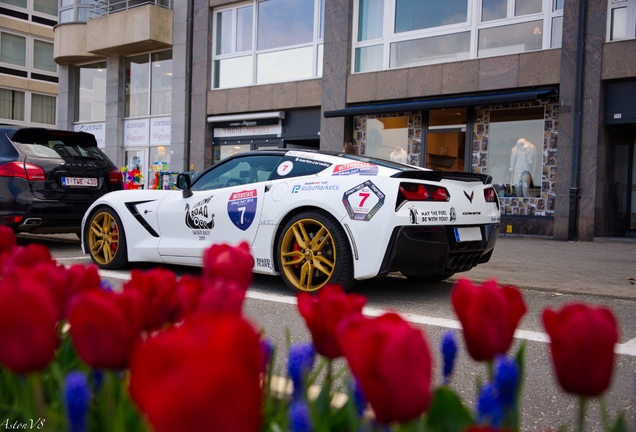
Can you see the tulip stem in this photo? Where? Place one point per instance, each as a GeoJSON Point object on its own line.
{"type": "Point", "coordinates": [581, 420]}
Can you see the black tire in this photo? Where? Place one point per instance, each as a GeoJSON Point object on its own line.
{"type": "Point", "coordinates": [105, 239]}
{"type": "Point", "coordinates": [428, 279]}
{"type": "Point", "coordinates": [307, 264]}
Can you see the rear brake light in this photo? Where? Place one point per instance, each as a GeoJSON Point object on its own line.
{"type": "Point", "coordinates": [420, 192]}
{"type": "Point", "coordinates": [115, 176]}
{"type": "Point", "coordinates": [13, 219]}
{"type": "Point", "coordinates": [22, 170]}
{"type": "Point", "coordinates": [490, 195]}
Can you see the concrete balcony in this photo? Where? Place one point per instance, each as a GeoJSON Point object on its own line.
{"type": "Point", "coordinates": [130, 31]}
{"type": "Point", "coordinates": [69, 46]}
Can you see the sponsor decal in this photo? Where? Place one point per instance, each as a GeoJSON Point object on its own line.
{"type": "Point", "coordinates": [264, 262]}
{"type": "Point", "coordinates": [414, 215]}
{"type": "Point", "coordinates": [363, 201]}
{"type": "Point", "coordinates": [312, 162]}
{"type": "Point", "coordinates": [285, 168]}
{"type": "Point", "coordinates": [268, 222]}
{"type": "Point", "coordinates": [495, 219]}
{"type": "Point", "coordinates": [241, 208]}
{"type": "Point", "coordinates": [471, 213]}
{"type": "Point", "coordinates": [453, 214]}
{"type": "Point", "coordinates": [199, 217]}
{"type": "Point", "coordinates": [300, 154]}
{"type": "Point", "coordinates": [435, 216]}
{"type": "Point", "coordinates": [470, 197]}
{"type": "Point", "coordinates": [361, 168]}
{"type": "Point", "coordinates": [318, 186]}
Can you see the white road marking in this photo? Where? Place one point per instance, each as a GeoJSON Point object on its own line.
{"type": "Point", "coordinates": [85, 257]}
{"type": "Point", "coordinates": [628, 348]}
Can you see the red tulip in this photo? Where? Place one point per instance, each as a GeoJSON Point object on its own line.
{"type": "Point", "coordinates": [7, 239]}
{"type": "Point", "coordinates": [189, 289]}
{"type": "Point", "coordinates": [28, 316]}
{"type": "Point", "coordinates": [158, 288]}
{"type": "Point", "coordinates": [391, 361]}
{"type": "Point", "coordinates": [24, 256]}
{"type": "Point", "coordinates": [83, 278]}
{"type": "Point", "coordinates": [222, 261]}
{"type": "Point", "coordinates": [104, 326]}
{"type": "Point", "coordinates": [323, 312]}
{"type": "Point", "coordinates": [582, 343]}
{"type": "Point", "coordinates": [221, 297]}
{"type": "Point", "coordinates": [489, 315]}
{"type": "Point", "coordinates": [202, 375]}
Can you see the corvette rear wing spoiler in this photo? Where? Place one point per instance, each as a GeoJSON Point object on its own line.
{"type": "Point", "coordinates": [439, 175]}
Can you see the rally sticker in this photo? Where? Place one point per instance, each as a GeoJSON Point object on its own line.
{"type": "Point", "coordinates": [241, 208]}
{"type": "Point", "coordinates": [199, 217]}
{"type": "Point", "coordinates": [363, 201]}
{"type": "Point", "coordinates": [361, 168]}
{"type": "Point", "coordinates": [285, 168]}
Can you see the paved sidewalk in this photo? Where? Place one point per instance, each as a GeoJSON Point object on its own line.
{"type": "Point", "coordinates": [603, 267]}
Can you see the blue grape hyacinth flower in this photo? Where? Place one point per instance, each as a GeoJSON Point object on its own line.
{"type": "Point", "coordinates": [299, 417]}
{"type": "Point", "coordinates": [506, 380]}
{"type": "Point", "coordinates": [359, 400]}
{"type": "Point", "coordinates": [489, 410]}
{"type": "Point", "coordinates": [449, 353]}
{"type": "Point", "coordinates": [77, 397]}
{"type": "Point", "coordinates": [300, 362]}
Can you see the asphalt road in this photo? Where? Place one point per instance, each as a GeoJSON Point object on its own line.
{"type": "Point", "coordinates": [549, 273]}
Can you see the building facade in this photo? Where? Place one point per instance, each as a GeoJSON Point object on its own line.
{"type": "Point", "coordinates": [28, 74]}
{"type": "Point", "coordinates": [539, 94]}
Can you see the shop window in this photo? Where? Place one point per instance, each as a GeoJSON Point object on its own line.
{"type": "Point", "coordinates": [11, 104]}
{"type": "Point", "coordinates": [429, 32]}
{"type": "Point", "coordinates": [446, 143]}
{"type": "Point", "coordinates": [91, 92]}
{"type": "Point", "coordinates": [225, 151]}
{"type": "Point", "coordinates": [515, 150]}
{"type": "Point", "coordinates": [621, 20]}
{"type": "Point", "coordinates": [387, 138]}
{"type": "Point", "coordinates": [267, 42]}
{"type": "Point", "coordinates": [148, 85]}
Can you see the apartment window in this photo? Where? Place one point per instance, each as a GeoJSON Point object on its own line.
{"type": "Point", "coordinates": [43, 56]}
{"type": "Point", "coordinates": [12, 49]}
{"type": "Point", "coordinates": [76, 10]}
{"type": "Point", "coordinates": [266, 42]}
{"type": "Point", "coordinates": [18, 3]}
{"type": "Point", "coordinates": [403, 33]}
{"type": "Point", "coordinates": [42, 109]}
{"type": "Point", "coordinates": [11, 104]}
{"type": "Point", "coordinates": [38, 7]}
{"type": "Point", "coordinates": [621, 20]}
{"type": "Point", "coordinates": [149, 84]}
{"type": "Point", "coordinates": [48, 7]}
{"type": "Point", "coordinates": [91, 92]}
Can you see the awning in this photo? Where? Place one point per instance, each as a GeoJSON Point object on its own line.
{"type": "Point", "coordinates": [443, 102]}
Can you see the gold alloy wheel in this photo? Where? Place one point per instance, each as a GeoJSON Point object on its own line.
{"type": "Point", "coordinates": [103, 238]}
{"type": "Point", "coordinates": [308, 255]}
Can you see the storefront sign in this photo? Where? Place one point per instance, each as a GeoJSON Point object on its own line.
{"type": "Point", "coordinates": [136, 132]}
{"type": "Point", "coordinates": [275, 129]}
{"type": "Point", "coordinates": [96, 129]}
{"type": "Point", "coordinates": [160, 131]}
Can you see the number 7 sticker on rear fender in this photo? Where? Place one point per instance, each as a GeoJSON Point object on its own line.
{"type": "Point", "coordinates": [363, 201]}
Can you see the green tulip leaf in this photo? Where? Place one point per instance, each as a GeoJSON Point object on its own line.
{"type": "Point", "coordinates": [620, 425]}
{"type": "Point", "coordinates": [447, 412]}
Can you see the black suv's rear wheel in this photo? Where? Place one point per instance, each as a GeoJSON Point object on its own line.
{"type": "Point", "coordinates": [106, 239]}
{"type": "Point", "coordinates": [314, 251]}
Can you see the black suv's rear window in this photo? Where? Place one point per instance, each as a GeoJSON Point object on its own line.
{"type": "Point", "coordinates": [43, 143]}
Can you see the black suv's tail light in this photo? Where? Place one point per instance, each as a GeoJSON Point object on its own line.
{"type": "Point", "coordinates": [22, 170]}
{"type": "Point", "coordinates": [490, 195]}
{"type": "Point", "coordinates": [421, 192]}
{"type": "Point", "coordinates": [115, 176]}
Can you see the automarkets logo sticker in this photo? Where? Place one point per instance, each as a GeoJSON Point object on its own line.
{"type": "Point", "coordinates": [363, 201]}
{"type": "Point", "coordinates": [241, 208]}
{"type": "Point", "coordinates": [200, 215]}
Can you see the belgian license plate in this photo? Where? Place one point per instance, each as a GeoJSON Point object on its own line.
{"type": "Point", "coordinates": [467, 234]}
{"type": "Point", "coordinates": [79, 181]}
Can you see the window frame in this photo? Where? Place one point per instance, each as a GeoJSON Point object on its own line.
{"type": "Point", "coordinates": [29, 67]}
{"type": "Point", "coordinates": [316, 44]}
{"type": "Point", "coordinates": [78, 101]}
{"type": "Point", "coordinates": [149, 86]}
{"type": "Point", "coordinates": [28, 95]}
{"type": "Point", "coordinates": [630, 5]}
{"type": "Point", "coordinates": [473, 25]}
{"type": "Point", "coordinates": [29, 9]}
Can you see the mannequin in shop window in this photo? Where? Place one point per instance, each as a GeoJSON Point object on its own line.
{"type": "Point", "coordinates": [398, 155]}
{"type": "Point", "coordinates": [522, 160]}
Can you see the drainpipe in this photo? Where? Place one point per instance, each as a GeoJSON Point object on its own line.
{"type": "Point", "coordinates": [576, 135]}
{"type": "Point", "coordinates": [187, 124]}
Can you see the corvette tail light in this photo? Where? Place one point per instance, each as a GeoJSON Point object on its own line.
{"type": "Point", "coordinates": [421, 192]}
{"type": "Point", "coordinates": [115, 176]}
{"type": "Point", "coordinates": [490, 195]}
{"type": "Point", "coordinates": [22, 170]}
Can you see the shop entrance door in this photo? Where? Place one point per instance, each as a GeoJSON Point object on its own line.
{"type": "Point", "coordinates": [632, 196]}
{"type": "Point", "coordinates": [446, 140]}
{"type": "Point", "coordinates": [135, 168]}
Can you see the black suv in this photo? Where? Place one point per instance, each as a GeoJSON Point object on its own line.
{"type": "Point", "coordinates": [48, 178]}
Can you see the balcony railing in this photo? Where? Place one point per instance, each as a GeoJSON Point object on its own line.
{"type": "Point", "coordinates": [106, 7]}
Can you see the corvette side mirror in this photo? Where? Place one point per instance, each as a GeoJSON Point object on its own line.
{"type": "Point", "coordinates": [183, 183]}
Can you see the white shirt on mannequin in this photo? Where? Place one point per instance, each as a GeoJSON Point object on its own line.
{"type": "Point", "coordinates": [398, 155]}
{"type": "Point", "coordinates": [522, 158]}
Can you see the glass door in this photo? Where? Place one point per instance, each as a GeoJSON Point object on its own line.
{"type": "Point", "coordinates": [632, 196]}
{"type": "Point", "coordinates": [446, 141]}
{"type": "Point", "coordinates": [135, 172]}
